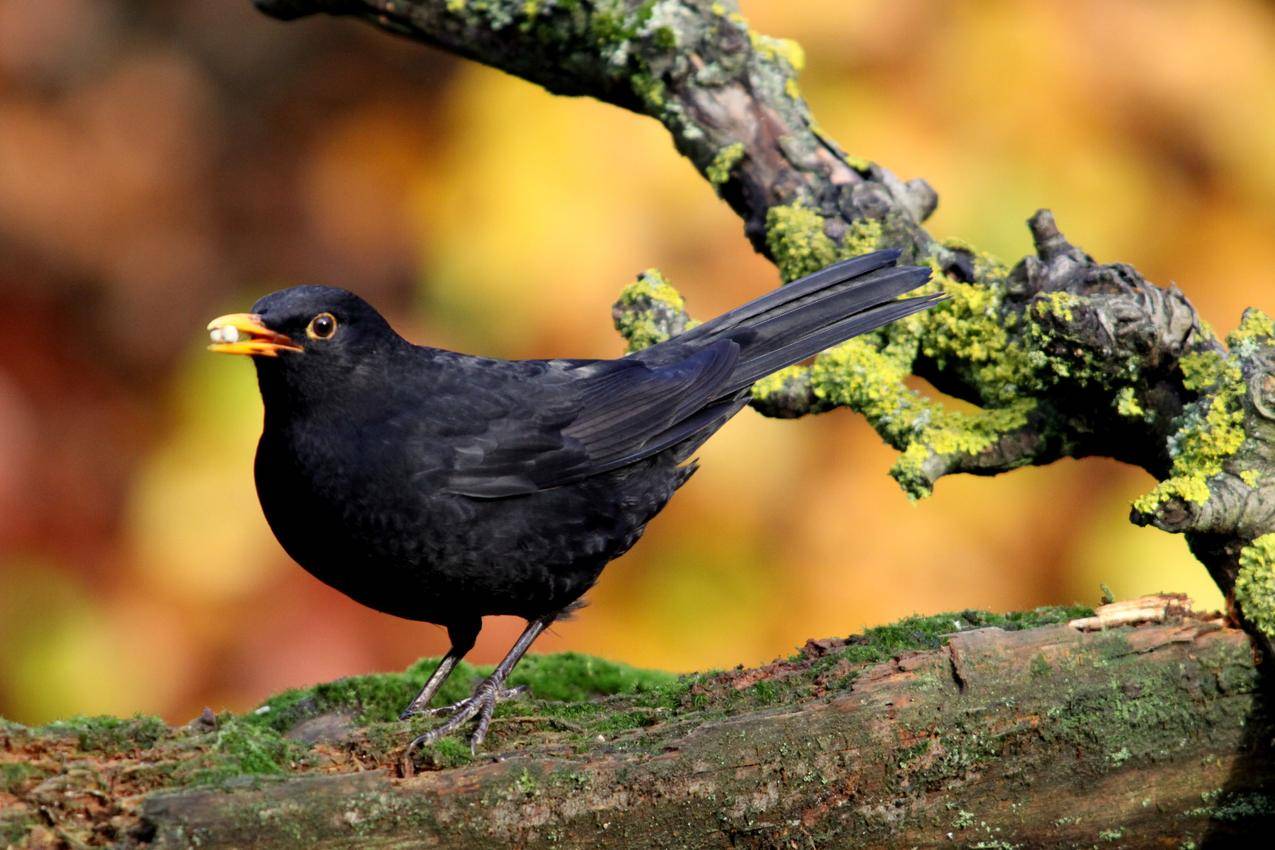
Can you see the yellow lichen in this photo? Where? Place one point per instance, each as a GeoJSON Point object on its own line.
{"type": "Point", "coordinates": [644, 308]}
{"type": "Point", "coordinates": [969, 332]}
{"type": "Point", "coordinates": [1058, 304]}
{"type": "Point", "coordinates": [1255, 326]}
{"type": "Point", "coordinates": [860, 375]}
{"type": "Point", "coordinates": [1212, 429]}
{"type": "Point", "coordinates": [1255, 584]}
{"type": "Point", "coordinates": [863, 236]}
{"type": "Point", "coordinates": [1127, 404]}
{"type": "Point", "coordinates": [1187, 488]}
{"type": "Point", "coordinates": [651, 284]}
{"type": "Point", "coordinates": [771, 48]}
{"type": "Point", "coordinates": [774, 382]}
{"type": "Point", "coordinates": [718, 171]}
{"type": "Point", "coordinates": [797, 242]}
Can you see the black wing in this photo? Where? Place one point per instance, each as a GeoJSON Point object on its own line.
{"type": "Point", "coordinates": [580, 418]}
{"type": "Point", "coordinates": [567, 420]}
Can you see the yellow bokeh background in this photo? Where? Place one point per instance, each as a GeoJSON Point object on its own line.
{"type": "Point", "coordinates": [164, 163]}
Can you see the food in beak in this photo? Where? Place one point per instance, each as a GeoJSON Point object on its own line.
{"type": "Point", "coordinates": [245, 333]}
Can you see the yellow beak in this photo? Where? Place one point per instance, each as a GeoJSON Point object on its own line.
{"type": "Point", "coordinates": [244, 333]}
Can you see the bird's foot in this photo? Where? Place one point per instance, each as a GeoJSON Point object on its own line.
{"type": "Point", "coordinates": [481, 704]}
{"type": "Point", "coordinates": [419, 707]}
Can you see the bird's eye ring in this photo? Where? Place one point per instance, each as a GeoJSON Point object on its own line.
{"type": "Point", "coordinates": [322, 326]}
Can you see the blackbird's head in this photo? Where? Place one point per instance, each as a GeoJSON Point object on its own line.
{"type": "Point", "coordinates": [306, 335]}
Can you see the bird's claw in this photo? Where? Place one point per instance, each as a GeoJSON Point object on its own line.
{"type": "Point", "coordinates": [481, 704]}
{"type": "Point", "coordinates": [501, 695]}
{"type": "Point", "coordinates": [415, 710]}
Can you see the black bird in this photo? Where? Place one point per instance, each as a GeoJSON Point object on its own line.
{"type": "Point", "coordinates": [443, 487]}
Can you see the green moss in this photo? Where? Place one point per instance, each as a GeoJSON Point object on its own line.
{"type": "Point", "coordinates": [13, 775]}
{"type": "Point", "coordinates": [1148, 714]}
{"type": "Point", "coordinates": [647, 309]}
{"type": "Point", "coordinates": [447, 753]}
{"type": "Point", "coordinates": [1211, 430]}
{"type": "Point", "coordinates": [1255, 584]}
{"type": "Point", "coordinates": [609, 28]}
{"type": "Point", "coordinates": [664, 38]}
{"type": "Point", "coordinates": [247, 748]}
{"type": "Point", "coordinates": [718, 171]}
{"type": "Point", "coordinates": [15, 828]}
{"type": "Point", "coordinates": [112, 734]}
{"type": "Point", "coordinates": [378, 698]}
{"type": "Point", "coordinates": [650, 89]}
{"type": "Point", "coordinates": [882, 643]}
{"type": "Point", "coordinates": [1114, 711]}
{"type": "Point", "coordinates": [366, 699]}
{"type": "Point", "coordinates": [573, 677]}
{"type": "Point", "coordinates": [455, 5]}
{"type": "Point", "coordinates": [526, 784]}
{"type": "Point", "coordinates": [1234, 807]}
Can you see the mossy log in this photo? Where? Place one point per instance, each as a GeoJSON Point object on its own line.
{"type": "Point", "coordinates": [967, 730]}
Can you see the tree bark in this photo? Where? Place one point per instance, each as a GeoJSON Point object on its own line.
{"type": "Point", "coordinates": [1076, 734]}
{"type": "Point", "coordinates": [1064, 356]}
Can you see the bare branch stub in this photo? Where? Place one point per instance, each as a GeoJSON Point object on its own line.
{"type": "Point", "coordinates": [1063, 356]}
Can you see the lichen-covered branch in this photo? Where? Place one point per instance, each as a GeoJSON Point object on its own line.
{"type": "Point", "coordinates": [1062, 355]}
{"type": "Point", "coordinates": [1140, 723]}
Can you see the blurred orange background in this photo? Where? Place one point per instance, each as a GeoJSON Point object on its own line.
{"type": "Point", "coordinates": [165, 162]}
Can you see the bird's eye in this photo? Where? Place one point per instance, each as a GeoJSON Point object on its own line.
{"type": "Point", "coordinates": [321, 326]}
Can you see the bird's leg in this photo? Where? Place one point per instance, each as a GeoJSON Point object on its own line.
{"type": "Point", "coordinates": [490, 691]}
{"type": "Point", "coordinates": [462, 638]}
